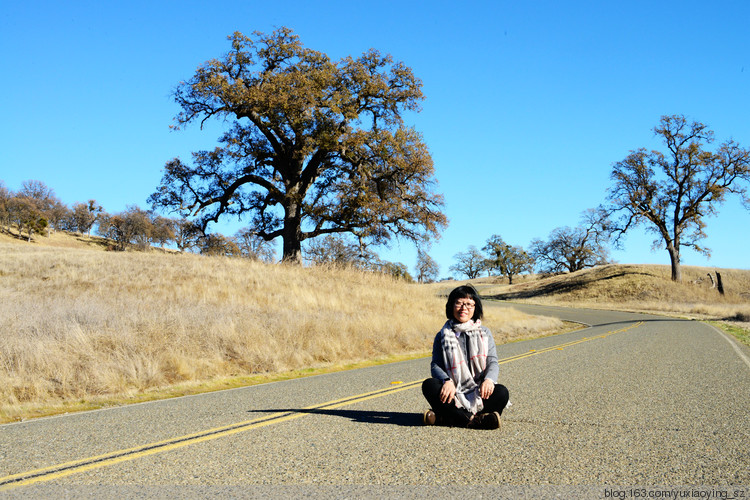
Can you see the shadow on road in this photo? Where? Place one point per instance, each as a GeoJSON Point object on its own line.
{"type": "Point", "coordinates": [645, 320]}
{"type": "Point", "coordinates": [362, 416]}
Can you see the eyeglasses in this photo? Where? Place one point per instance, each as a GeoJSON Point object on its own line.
{"type": "Point", "coordinates": [461, 305]}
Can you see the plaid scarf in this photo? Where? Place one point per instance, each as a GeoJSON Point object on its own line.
{"type": "Point", "coordinates": [464, 376]}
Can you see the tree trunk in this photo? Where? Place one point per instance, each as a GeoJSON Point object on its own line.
{"type": "Point", "coordinates": [674, 257]}
{"type": "Point", "coordinates": [292, 235]}
{"type": "Point", "coordinates": [292, 249]}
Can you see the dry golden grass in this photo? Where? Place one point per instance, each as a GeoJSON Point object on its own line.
{"type": "Point", "coordinates": [79, 323]}
{"type": "Point", "coordinates": [510, 325]}
{"type": "Point", "coordinates": [645, 288]}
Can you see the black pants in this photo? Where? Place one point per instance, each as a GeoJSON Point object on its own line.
{"type": "Point", "coordinates": [458, 417]}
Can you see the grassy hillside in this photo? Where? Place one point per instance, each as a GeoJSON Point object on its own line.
{"type": "Point", "coordinates": [642, 288]}
{"type": "Point", "coordinates": [639, 287]}
{"type": "Point", "coordinates": [82, 327]}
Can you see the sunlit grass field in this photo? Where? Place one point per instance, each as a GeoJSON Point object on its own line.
{"type": "Point", "coordinates": [645, 288]}
{"type": "Point", "coordinates": [80, 325]}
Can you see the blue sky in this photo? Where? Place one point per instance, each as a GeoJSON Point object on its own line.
{"type": "Point", "coordinates": [528, 104]}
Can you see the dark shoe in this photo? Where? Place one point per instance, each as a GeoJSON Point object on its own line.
{"type": "Point", "coordinates": [429, 418]}
{"type": "Point", "coordinates": [486, 421]}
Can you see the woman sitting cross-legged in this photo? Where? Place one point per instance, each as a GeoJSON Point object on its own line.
{"type": "Point", "coordinates": [463, 390]}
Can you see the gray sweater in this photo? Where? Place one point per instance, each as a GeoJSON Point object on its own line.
{"type": "Point", "coordinates": [437, 367]}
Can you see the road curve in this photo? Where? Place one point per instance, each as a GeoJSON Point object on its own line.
{"type": "Point", "coordinates": [631, 400]}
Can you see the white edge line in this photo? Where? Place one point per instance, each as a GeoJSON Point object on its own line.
{"type": "Point", "coordinates": [733, 343]}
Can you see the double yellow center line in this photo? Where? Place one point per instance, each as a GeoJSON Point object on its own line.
{"type": "Point", "coordinates": [85, 464]}
{"type": "Point", "coordinates": [560, 347]}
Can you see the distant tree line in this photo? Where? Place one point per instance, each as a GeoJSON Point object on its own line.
{"type": "Point", "coordinates": [34, 210]}
{"type": "Point", "coordinates": [566, 249]}
{"type": "Point", "coordinates": [338, 250]}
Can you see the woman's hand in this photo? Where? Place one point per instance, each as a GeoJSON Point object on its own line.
{"type": "Point", "coordinates": [448, 391]}
{"type": "Point", "coordinates": [486, 389]}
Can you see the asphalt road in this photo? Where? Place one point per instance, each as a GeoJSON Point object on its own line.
{"type": "Point", "coordinates": [630, 402]}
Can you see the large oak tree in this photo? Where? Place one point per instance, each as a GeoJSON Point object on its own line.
{"type": "Point", "coordinates": [671, 193]}
{"type": "Point", "coordinates": [314, 147]}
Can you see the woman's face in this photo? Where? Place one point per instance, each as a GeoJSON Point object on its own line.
{"type": "Point", "coordinates": [463, 310]}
